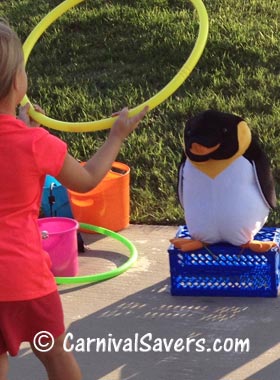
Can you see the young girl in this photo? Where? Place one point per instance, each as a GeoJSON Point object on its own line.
{"type": "Point", "coordinates": [29, 300]}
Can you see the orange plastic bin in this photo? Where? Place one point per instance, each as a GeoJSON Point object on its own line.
{"type": "Point", "coordinates": [108, 204]}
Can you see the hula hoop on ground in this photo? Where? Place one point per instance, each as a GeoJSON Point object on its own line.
{"type": "Point", "coordinates": [104, 275]}
{"type": "Point", "coordinates": [153, 102]}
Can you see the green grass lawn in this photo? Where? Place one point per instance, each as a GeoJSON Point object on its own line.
{"type": "Point", "coordinates": [103, 55]}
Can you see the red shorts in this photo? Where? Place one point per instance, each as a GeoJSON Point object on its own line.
{"type": "Point", "coordinates": [20, 321]}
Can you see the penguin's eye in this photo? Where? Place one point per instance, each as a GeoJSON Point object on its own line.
{"type": "Point", "coordinates": [225, 130]}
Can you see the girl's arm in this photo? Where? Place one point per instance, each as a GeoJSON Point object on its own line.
{"type": "Point", "coordinates": [84, 178]}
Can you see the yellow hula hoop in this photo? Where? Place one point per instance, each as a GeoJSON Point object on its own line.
{"type": "Point", "coordinates": [153, 102]}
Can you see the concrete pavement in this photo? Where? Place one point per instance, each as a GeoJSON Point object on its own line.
{"type": "Point", "coordinates": [135, 312]}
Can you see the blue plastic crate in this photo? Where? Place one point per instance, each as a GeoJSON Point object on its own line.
{"type": "Point", "coordinates": [225, 270]}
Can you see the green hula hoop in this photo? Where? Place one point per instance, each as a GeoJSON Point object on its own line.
{"type": "Point", "coordinates": [153, 102]}
{"type": "Point", "coordinates": [105, 275]}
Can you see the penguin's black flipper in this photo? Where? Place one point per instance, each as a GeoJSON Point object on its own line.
{"type": "Point", "coordinates": [257, 157]}
{"type": "Point", "coordinates": [180, 178]}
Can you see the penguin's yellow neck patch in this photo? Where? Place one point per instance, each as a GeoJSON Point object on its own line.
{"type": "Point", "coordinates": [212, 168]}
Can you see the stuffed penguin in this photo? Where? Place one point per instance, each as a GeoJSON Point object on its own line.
{"type": "Point", "coordinates": [225, 183]}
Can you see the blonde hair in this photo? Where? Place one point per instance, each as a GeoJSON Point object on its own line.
{"type": "Point", "coordinates": [11, 57]}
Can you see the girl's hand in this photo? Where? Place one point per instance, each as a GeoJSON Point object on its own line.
{"type": "Point", "coordinates": [23, 114]}
{"type": "Point", "coordinates": [84, 178]}
{"type": "Point", "coordinates": [124, 125]}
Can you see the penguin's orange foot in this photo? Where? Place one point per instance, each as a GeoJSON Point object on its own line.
{"type": "Point", "coordinates": [259, 246]}
{"type": "Point", "coordinates": [187, 245]}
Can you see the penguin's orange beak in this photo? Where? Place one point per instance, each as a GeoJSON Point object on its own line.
{"type": "Point", "coordinates": [201, 150]}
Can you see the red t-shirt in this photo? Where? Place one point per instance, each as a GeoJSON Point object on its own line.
{"type": "Point", "coordinates": [26, 156]}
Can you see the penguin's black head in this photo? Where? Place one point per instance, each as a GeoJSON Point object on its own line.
{"type": "Point", "coordinates": [211, 135]}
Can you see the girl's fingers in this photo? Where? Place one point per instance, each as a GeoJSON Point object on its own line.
{"type": "Point", "coordinates": [39, 109]}
{"type": "Point", "coordinates": [24, 109]}
{"type": "Point", "coordinates": [140, 115]}
{"type": "Point", "coordinates": [117, 113]}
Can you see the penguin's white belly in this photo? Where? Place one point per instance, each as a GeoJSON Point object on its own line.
{"type": "Point", "coordinates": [229, 208]}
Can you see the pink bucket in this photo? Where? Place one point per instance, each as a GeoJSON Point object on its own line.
{"type": "Point", "coordinates": [59, 239]}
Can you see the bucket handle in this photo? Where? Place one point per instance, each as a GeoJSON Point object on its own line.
{"type": "Point", "coordinates": [82, 203]}
{"type": "Point", "coordinates": [119, 168]}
